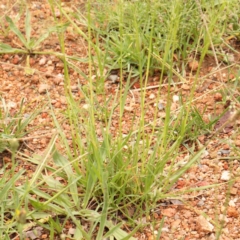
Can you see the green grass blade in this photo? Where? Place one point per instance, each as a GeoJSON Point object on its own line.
{"type": "Point", "coordinates": [14, 28]}
{"type": "Point", "coordinates": [43, 162]}
{"type": "Point", "coordinates": [63, 162]}
{"type": "Point", "coordinates": [9, 184]}
{"type": "Point", "coordinates": [103, 218]}
{"type": "Point", "coordinates": [46, 34]}
{"type": "Point", "coordinates": [5, 48]}
{"type": "Point", "coordinates": [28, 27]}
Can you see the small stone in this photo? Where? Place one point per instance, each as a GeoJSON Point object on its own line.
{"type": "Point", "coordinates": [71, 231]}
{"type": "Point", "coordinates": [232, 212]}
{"type": "Point", "coordinates": [42, 61]}
{"type": "Point", "coordinates": [161, 114]}
{"type": "Point", "coordinates": [169, 212]}
{"type": "Point", "coordinates": [165, 229]}
{"type": "Point", "coordinates": [193, 65]}
{"type": "Point", "coordinates": [57, 14]}
{"type": "Point", "coordinates": [237, 143]}
{"type": "Point", "coordinates": [152, 96]}
{"type": "Point", "coordinates": [113, 78]}
{"type": "Point", "coordinates": [234, 191]}
{"type": "Point", "coordinates": [43, 88]}
{"type": "Point", "coordinates": [58, 104]}
{"type": "Point", "coordinates": [232, 203]}
{"type": "Point", "coordinates": [225, 175]}
{"type": "Point", "coordinates": [176, 223]}
{"type": "Point", "coordinates": [74, 88]}
{"type": "Point", "coordinates": [6, 56]}
{"type": "Point", "coordinates": [16, 59]}
{"type": "Point", "coordinates": [175, 98]}
{"type": "Point", "coordinates": [86, 106]}
{"type": "Point", "coordinates": [11, 104]}
{"type": "Point", "coordinates": [185, 87]}
{"type": "Point", "coordinates": [200, 203]}
{"type": "Point", "coordinates": [218, 97]}
{"type": "Point", "coordinates": [35, 79]}
{"type": "Point", "coordinates": [204, 225]}
{"type": "Point", "coordinates": [230, 58]}
{"type": "Point", "coordinates": [128, 108]}
{"type": "Point", "coordinates": [161, 106]}
{"type": "Point", "coordinates": [44, 115]}
{"type": "Point", "coordinates": [187, 214]}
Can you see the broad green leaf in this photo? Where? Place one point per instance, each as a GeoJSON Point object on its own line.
{"type": "Point", "coordinates": [5, 48]}
{"type": "Point", "coordinates": [16, 31]}
{"type": "Point", "coordinates": [28, 27]}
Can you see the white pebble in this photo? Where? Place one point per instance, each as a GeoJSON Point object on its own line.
{"type": "Point", "coordinates": [175, 98]}
{"type": "Point", "coordinates": [225, 175]}
{"type": "Point", "coordinates": [152, 96]}
{"type": "Point", "coordinates": [42, 61]}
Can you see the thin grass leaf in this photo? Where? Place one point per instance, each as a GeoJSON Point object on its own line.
{"type": "Point", "coordinates": [91, 180]}
{"type": "Point", "coordinates": [46, 35]}
{"type": "Point", "coordinates": [60, 160]}
{"type": "Point", "coordinates": [5, 48]}
{"type": "Point", "coordinates": [16, 31]}
{"type": "Point", "coordinates": [56, 207]}
{"type": "Point", "coordinates": [119, 234]}
{"type": "Point", "coordinates": [160, 229]}
{"type": "Point", "coordinates": [175, 176]}
{"type": "Point", "coordinates": [78, 225]}
{"type": "Point", "coordinates": [43, 162]}
{"type": "Point", "coordinates": [8, 184]}
{"type": "Point", "coordinates": [104, 215]}
{"type": "Point", "coordinates": [55, 199]}
{"type": "Point", "coordinates": [40, 39]}
{"type": "Point", "coordinates": [28, 27]}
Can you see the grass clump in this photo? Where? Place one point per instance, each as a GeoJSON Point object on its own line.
{"type": "Point", "coordinates": [13, 127]}
{"type": "Point", "coordinates": [175, 29]}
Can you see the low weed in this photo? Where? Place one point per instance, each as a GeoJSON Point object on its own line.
{"type": "Point", "coordinates": [13, 127]}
